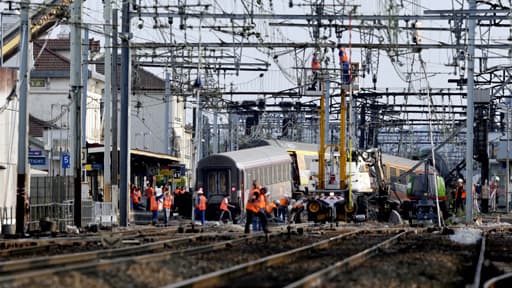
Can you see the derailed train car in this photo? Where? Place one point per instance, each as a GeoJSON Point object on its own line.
{"type": "Point", "coordinates": [420, 188]}
{"type": "Point", "coordinates": [232, 173]}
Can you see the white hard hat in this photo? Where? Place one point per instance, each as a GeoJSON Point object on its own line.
{"type": "Point", "coordinates": [199, 192]}
{"type": "Point", "coordinates": [460, 181]}
{"type": "Point", "coordinates": [497, 178]}
{"type": "Point", "coordinates": [285, 195]}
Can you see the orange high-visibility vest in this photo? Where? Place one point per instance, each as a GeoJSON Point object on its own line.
{"type": "Point", "coordinates": [201, 205]}
{"type": "Point", "coordinates": [460, 192]}
{"type": "Point", "coordinates": [343, 56]}
{"type": "Point", "coordinates": [167, 201]}
{"type": "Point", "coordinates": [270, 207]}
{"type": "Point", "coordinates": [283, 201]}
{"type": "Point", "coordinates": [149, 191]}
{"type": "Point", "coordinates": [224, 204]}
{"type": "Point", "coordinates": [263, 201]}
{"type": "Point", "coordinates": [253, 204]}
{"type": "Point", "coordinates": [315, 63]}
{"type": "Point", "coordinates": [153, 204]}
{"type": "Point", "coordinates": [135, 197]}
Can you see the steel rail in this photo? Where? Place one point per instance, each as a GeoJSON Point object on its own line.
{"type": "Point", "coordinates": [480, 263]}
{"type": "Point", "coordinates": [94, 264]}
{"type": "Point", "coordinates": [222, 277]}
{"type": "Point", "coordinates": [46, 244]}
{"type": "Point", "coordinates": [493, 282]}
{"type": "Point", "coordinates": [18, 266]}
{"type": "Point", "coordinates": [316, 279]}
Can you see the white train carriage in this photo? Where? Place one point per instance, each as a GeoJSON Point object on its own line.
{"type": "Point", "coordinates": [233, 173]}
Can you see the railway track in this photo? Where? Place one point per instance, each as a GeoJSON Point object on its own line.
{"type": "Point", "coordinates": [33, 264]}
{"type": "Point", "coordinates": [116, 272]}
{"type": "Point", "coordinates": [286, 267]}
{"type": "Point", "coordinates": [52, 246]}
{"type": "Point", "coordinates": [356, 257]}
{"type": "Point", "coordinates": [495, 260]}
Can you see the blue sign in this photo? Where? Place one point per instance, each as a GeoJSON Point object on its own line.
{"type": "Point", "coordinates": [66, 160]}
{"type": "Point", "coordinates": [37, 161]}
{"type": "Point", "coordinates": [97, 166]}
{"type": "Point", "coordinates": [35, 153]}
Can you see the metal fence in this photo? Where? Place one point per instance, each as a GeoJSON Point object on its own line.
{"type": "Point", "coordinates": [52, 199]}
{"type": "Point", "coordinates": [56, 189]}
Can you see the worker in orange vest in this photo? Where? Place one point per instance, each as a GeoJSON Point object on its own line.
{"type": "Point", "coordinates": [282, 210]}
{"type": "Point", "coordinates": [148, 194]}
{"type": "Point", "coordinates": [136, 194]}
{"type": "Point", "coordinates": [460, 196]}
{"type": "Point", "coordinates": [344, 64]}
{"type": "Point", "coordinates": [255, 207]}
{"type": "Point", "coordinates": [315, 68]}
{"type": "Point", "coordinates": [167, 205]}
{"type": "Point", "coordinates": [224, 207]}
{"type": "Point", "coordinates": [153, 206]}
{"type": "Point", "coordinates": [271, 206]}
{"type": "Point", "coordinates": [201, 205]}
{"type": "Point", "coordinates": [297, 209]}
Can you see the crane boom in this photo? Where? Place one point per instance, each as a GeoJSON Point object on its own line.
{"type": "Point", "coordinates": [50, 13]}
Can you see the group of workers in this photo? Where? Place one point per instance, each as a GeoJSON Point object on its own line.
{"type": "Point", "coordinates": [160, 195]}
{"type": "Point", "coordinates": [487, 194]}
{"type": "Point", "coordinates": [316, 66]}
{"type": "Point", "coordinates": [258, 205]}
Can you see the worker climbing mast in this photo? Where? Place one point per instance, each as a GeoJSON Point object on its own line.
{"type": "Point", "coordinates": [321, 152]}
{"type": "Point", "coordinates": [345, 82]}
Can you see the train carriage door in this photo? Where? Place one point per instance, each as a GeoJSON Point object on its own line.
{"type": "Point", "coordinates": [218, 182]}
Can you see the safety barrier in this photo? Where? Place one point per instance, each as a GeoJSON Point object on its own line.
{"type": "Point", "coordinates": [51, 199]}
{"type": "Point", "coordinates": [105, 214]}
{"type": "Point", "coordinates": [99, 213]}
{"type": "Point", "coordinates": [60, 213]}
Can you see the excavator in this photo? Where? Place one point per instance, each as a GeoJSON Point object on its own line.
{"type": "Point", "coordinates": [369, 193]}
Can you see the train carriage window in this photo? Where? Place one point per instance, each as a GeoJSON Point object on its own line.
{"type": "Point", "coordinates": [392, 172]}
{"type": "Point", "coordinates": [210, 188]}
{"type": "Point", "coordinates": [402, 172]}
{"type": "Point", "coordinates": [218, 182]}
{"type": "Point", "coordinates": [270, 170]}
{"type": "Point", "coordinates": [223, 182]}
{"type": "Point", "coordinates": [274, 175]}
{"type": "Point", "coordinates": [252, 175]}
{"type": "Point", "coordinates": [267, 175]}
